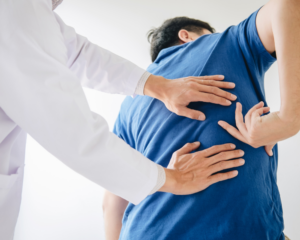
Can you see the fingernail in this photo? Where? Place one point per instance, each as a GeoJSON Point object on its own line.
{"type": "Point", "coordinates": [235, 173]}
{"type": "Point", "coordinates": [201, 117]}
{"type": "Point", "coordinates": [242, 161]}
{"type": "Point", "coordinates": [232, 145]}
{"type": "Point", "coordinates": [242, 152]}
{"type": "Point", "coordinates": [221, 76]}
{"type": "Point", "coordinates": [228, 102]}
{"type": "Point", "coordinates": [220, 123]}
{"type": "Point", "coordinates": [231, 84]}
{"type": "Point", "coordinates": [197, 143]}
{"type": "Point", "coordinates": [233, 97]}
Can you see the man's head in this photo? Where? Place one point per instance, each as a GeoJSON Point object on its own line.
{"type": "Point", "coordinates": [176, 31]}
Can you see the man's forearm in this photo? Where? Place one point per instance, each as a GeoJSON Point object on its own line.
{"type": "Point", "coordinates": [278, 26]}
{"type": "Point", "coordinates": [285, 22]}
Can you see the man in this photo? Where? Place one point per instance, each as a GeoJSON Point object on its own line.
{"type": "Point", "coordinates": [43, 64]}
{"type": "Point", "coordinates": [249, 206]}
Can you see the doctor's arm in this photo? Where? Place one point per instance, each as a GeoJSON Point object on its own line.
{"type": "Point", "coordinates": [209, 162]}
{"type": "Point", "coordinates": [278, 25]}
{"type": "Point", "coordinates": [102, 70]}
{"type": "Point", "coordinates": [42, 96]}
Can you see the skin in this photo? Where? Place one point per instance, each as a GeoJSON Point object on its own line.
{"type": "Point", "coordinates": [181, 92]}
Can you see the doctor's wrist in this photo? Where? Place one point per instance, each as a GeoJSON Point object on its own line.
{"type": "Point", "coordinates": [171, 182]}
{"type": "Point", "coordinates": [161, 179]}
{"type": "Point", "coordinates": [156, 87]}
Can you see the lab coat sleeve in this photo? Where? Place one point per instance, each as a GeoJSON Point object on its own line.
{"type": "Point", "coordinates": [40, 94]}
{"type": "Point", "coordinates": [98, 68]}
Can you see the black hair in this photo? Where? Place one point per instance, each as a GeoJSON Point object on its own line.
{"type": "Point", "coordinates": [167, 34]}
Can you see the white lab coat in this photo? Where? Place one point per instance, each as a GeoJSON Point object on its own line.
{"type": "Point", "coordinates": [43, 63]}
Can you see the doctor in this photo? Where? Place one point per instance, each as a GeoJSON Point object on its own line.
{"type": "Point", "coordinates": [43, 64]}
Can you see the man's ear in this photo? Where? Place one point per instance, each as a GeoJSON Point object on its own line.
{"type": "Point", "coordinates": [184, 36]}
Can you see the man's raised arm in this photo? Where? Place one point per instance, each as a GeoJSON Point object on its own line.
{"type": "Point", "coordinates": [278, 26]}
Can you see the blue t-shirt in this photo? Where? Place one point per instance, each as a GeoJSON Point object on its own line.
{"type": "Point", "coordinates": [247, 207]}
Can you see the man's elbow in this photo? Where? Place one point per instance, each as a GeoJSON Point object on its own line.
{"type": "Point", "coordinates": [291, 119]}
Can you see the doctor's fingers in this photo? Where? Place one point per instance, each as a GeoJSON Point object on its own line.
{"type": "Point", "coordinates": [187, 148]}
{"type": "Point", "coordinates": [196, 96]}
{"type": "Point", "coordinates": [182, 156]}
{"type": "Point", "coordinates": [184, 160]}
{"type": "Point", "coordinates": [219, 84]}
{"type": "Point", "coordinates": [216, 149]}
{"type": "Point", "coordinates": [212, 82]}
{"type": "Point", "coordinates": [190, 113]}
{"type": "Point", "coordinates": [223, 165]}
{"type": "Point", "coordinates": [213, 90]}
{"type": "Point", "coordinates": [211, 77]}
{"type": "Point", "coordinates": [222, 177]}
{"type": "Point", "coordinates": [223, 156]}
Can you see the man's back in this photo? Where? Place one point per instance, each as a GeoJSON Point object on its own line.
{"type": "Point", "coordinates": [246, 207]}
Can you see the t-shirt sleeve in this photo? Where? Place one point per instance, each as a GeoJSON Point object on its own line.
{"type": "Point", "coordinates": [122, 127]}
{"type": "Point", "coordinates": [251, 45]}
{"type": "Point", "coordinates": [118, 128]}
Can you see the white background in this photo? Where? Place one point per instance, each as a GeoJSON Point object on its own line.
{"type": "Point", "coordinates": [58, 204]}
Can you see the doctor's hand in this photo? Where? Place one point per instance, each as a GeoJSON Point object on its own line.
{"type": "Point", "coordinates": [177, 94]}
{"type": "Point", "coordinates": [257, 130]}
{"type": "Point", "coordinates": [189, 173]}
